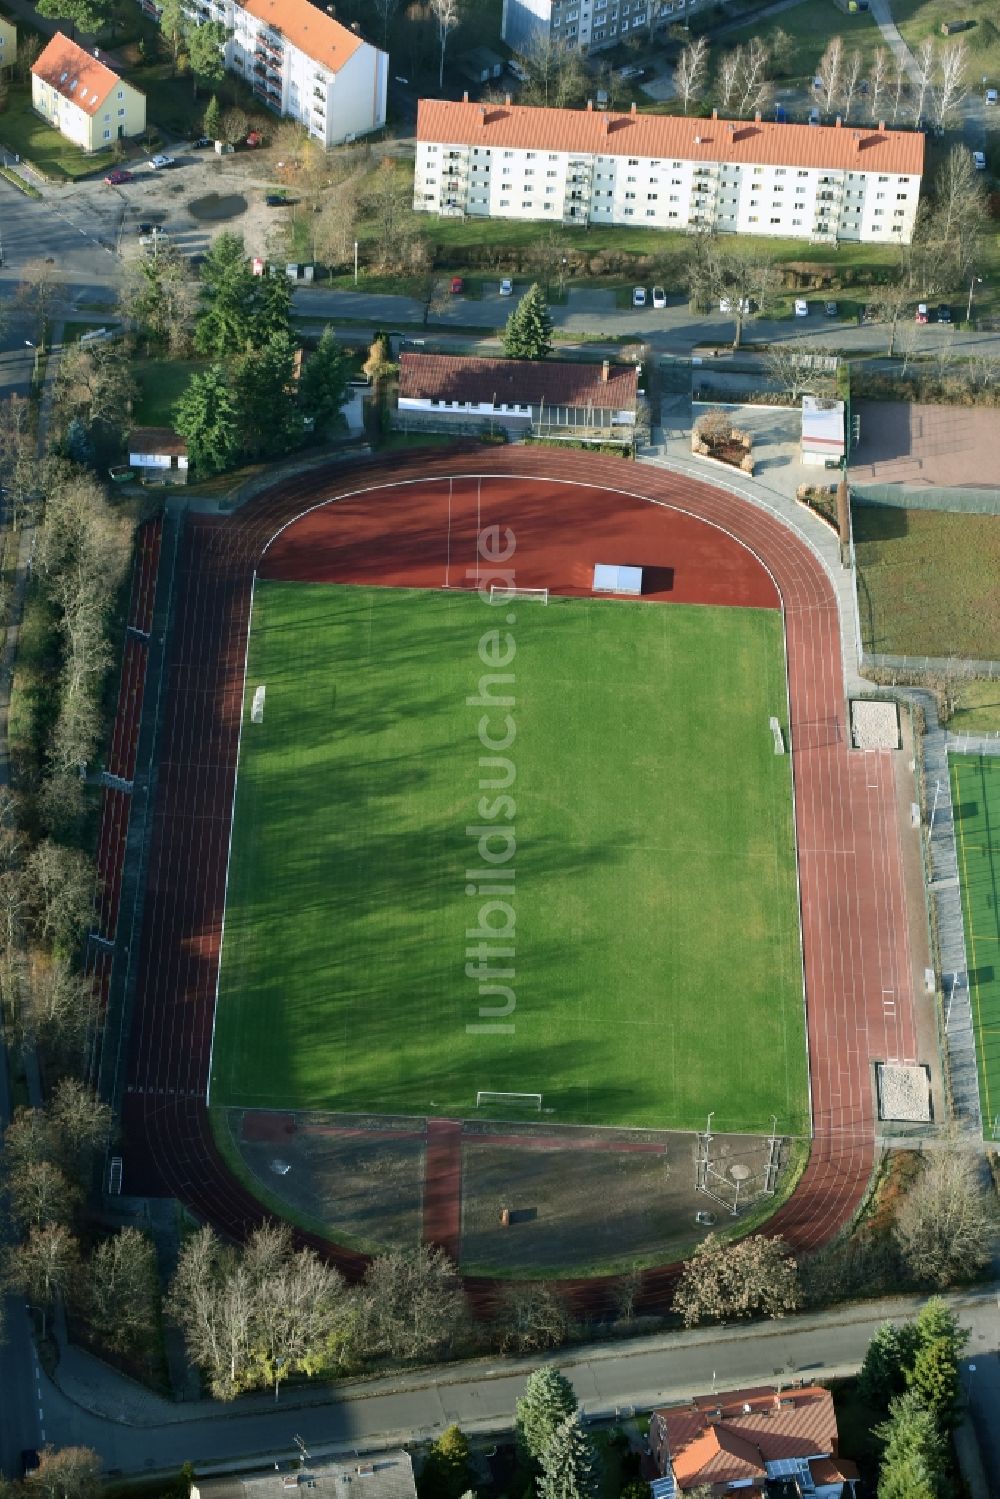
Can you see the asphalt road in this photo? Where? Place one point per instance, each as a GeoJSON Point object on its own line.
{"type": "Point", "coordinates": [608, 1379]}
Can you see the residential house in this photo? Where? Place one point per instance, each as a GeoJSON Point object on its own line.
{"type": "Point", "coordinates": [159, 454]}
{"type": "Point", "coordinates": [389, 1475]}
{"type": "Point", "coordinates": [518, 395]}
{"type": "Point", "coordinates": [84, 99]}
{"type": "Point", "coordinates": [754, 1442]}
{"type": "Point", "coordinates": [8, 44]}
{"type": "Point", "coordinates": [823, 184]}
{"type": "Point", "coordinates": [301, 63]}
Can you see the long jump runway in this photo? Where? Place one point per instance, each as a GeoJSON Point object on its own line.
{"type": "Point", "coordinates": [393, 526]}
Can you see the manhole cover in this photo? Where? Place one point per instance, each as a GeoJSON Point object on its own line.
{"type": "Point", "coordinates": [215, 207]}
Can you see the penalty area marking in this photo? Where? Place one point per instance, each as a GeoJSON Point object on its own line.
{"type": "Point", "coordinates": [257, 710]}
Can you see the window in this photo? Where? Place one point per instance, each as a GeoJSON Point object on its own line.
{"type": "Point", "coordinates": [508, 155]}
{"type": "Point", "coordinates": [629, 196]}
{"type": "Point", "coordinates": [883, 179]}
{"type": "Point", "coordinates": [796, 223]}
{"type": "Point", "coordinates": [900, 213]}
{"type": "Point", "coordinates": [107, 135]}
{"type": "Point", "coordinates": [107, 117]}
{"type": "Point", "coordinates": [629, 212]}
{"type": "Point", "coordinates": [802, 174]}
{"type": "Point", "coordinates": [675, 197]}
{"type": "Point", "coordinates": [900, 197]}
{"type": "Point", "coordinates": [776, 221]}
{"type": "Point", "coordinates": [897, 228]}
{"type": "Point", "coordinates": [754, 219]}
{"type": "Point", "coordinates": [651, 213]}
{"type": "Point", "coordinates": [121, 94]}
{"type": "Point", "coordinates": [121, 113]}
{"type": "Point", "coordinates": [879, 212]}
{"type": "Point", "coordinates": [651, 197]}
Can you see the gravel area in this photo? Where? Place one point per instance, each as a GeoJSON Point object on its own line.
{"type": "Point", "coordinates": [874, 725]}
{"type": "Point", "coordinates": [904, 1092]}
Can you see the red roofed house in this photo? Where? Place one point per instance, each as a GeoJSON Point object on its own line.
{"type": "Point", "coordinates": [820, 183]}
{"type": "Point", "coordinates": [778, 1443]}
{"type": "Point", "coordinates": [520, 394]}
{"type": "Point", "coordinates": [83, 98]}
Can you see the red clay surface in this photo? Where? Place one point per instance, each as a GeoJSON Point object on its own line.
{"type": "Point", "coordinates": [853, 904]}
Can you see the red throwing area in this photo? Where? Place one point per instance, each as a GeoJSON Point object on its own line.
{"type": "Point", "coordinates": [567, 511]}
{"type": "Point", "coordinates": [427, 535]}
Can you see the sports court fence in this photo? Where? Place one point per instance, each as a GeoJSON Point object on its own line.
{"type": "Point", "coordinates": [919, 668]}
{"type": "Point", "coordinates": [968, 501]}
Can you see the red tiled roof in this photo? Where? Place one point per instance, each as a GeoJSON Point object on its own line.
{"type": "Point", "coordinates": [603, 133]}
{"type": "Point", "coordinates": [156, 440]}
{"type": "Point", "coordinates": [448, 377]}
{"type": "Point", "coordinates": [319, 36]}
{"type": "Point", "coordinates": [833, 1470]}
{"type": "Point", "coordinates": [75, 73]}
{"type": "Point", "coordinates": [715, 1433]}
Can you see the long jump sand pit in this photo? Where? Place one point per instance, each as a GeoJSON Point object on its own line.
{"type": "Point", "coordinates": [951, 446]}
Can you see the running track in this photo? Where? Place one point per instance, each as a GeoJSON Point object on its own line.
{"type": "Point", "coordinates": [855, 956]}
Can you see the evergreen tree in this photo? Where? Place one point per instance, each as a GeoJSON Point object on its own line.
{"type": "Point", "coordinates": [204, 48]}
{"type": "Point", "coordinates": [212, 116]}
{"type": "Point", "coordinates": [447, 1471]}
{"type": "Point", "coordinates": [269, 421]}
{"type": "Point", "coordinates": [323, 383]}
{"type": "Point", "coordinates": [272, 312]}
{"type": "Point", "coordinates": [230, 295]}
{"type": "Point", "coordinates": [529, 328]}
{"type": "Point", "coordinates": [935, 1321]}
{"type": "Point", "coordinates": [77, 443]}
{"type": "Point", "coordinates": [206, 416]}
{"type": "Point", "coordinates": [547, 1401]}
{"type": "Point", "coordinates": [882, 1375]}
{"type": "Point", "coordinates": [934, 1378]}
{"type": "Point", "coordinates": [913, 1462]}
{"type": "Point", "coordinates": [568, 1463]}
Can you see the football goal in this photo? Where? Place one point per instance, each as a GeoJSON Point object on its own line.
{"type": "Point", "coordinates": [501, 593]}
{"type": "Point", "coordinates": [487, 1100]}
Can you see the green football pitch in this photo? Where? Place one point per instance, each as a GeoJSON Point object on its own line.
{"type": "Point", "coordinates": [975, 792]}
{"type": "Point", "coordinates": [642, 941]}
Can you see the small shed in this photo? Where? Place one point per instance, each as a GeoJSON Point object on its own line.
{"type": "Point", "coordinates": [612, 577]}
{"type": "Point", "coordinates": [822, 432]}
{"type": "Point", "coordinates": [480, 65]}
{"type": "Point", "coordinates": [159, 454]}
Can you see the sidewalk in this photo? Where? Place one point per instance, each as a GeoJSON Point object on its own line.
{"type": "Point", "coordinates": [882, 16]}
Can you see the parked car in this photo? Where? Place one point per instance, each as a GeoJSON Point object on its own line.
{"type": "Point", "coordinates": [991, 96]}
{"type": "Point", "coordinates": [814, 117]}
{"type": "Point", "coordinates": [921, 312]}
{"type": "Point", "coordinates": [158, 163]}
{"type": "Point", "coordinates": [275, 200]}
{"type": "Point", "coordinates": [117, 177]}
{"type": "Point", "coordinates": [203, 143]}
{"type": "Point", "coordinates": [634, 70]}
{"type": "Point", "coordinates": [659, 297]}
{"type": "Point", "coordinates": [728, 305]}
{"type": "Point", "coordinates": [638, 296]}
{"type": "Point", "coordinates": [779, 114]}
{"type": "Point", "coordinates": [801, 307]}
{"type": "Point", "coordinates": [145, 228]}
{"type": "Point", "coordinates": [817, 83]}
{"type": "Point", "coordinates": [506, 287]}
{"type": "Point", "coordinates": [830, 309]}
{"type": "Point", "coordinates": [868, 313]}
{"type": "Point", "coordinates": [518, 69]}
{"type": "Point", "coordinates": [944, 314]}
{"type": "Point", "coordinates": [254, 138]}
{"type": "Point", "coordinates": [457, 286]}
{"type": "Point", "coordinates": [979, 160]}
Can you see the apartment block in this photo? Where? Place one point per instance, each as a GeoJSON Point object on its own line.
{"type": "Point", "coordinates": [8, 44]}
{"type": "Point", "coordinates": [83, 98]}
{"type": "Point", "coordinates": [822, 184]}
{"type": "Point", "coordinates": [587, 24]}
{"type": "Point", "coordinates": [302, 64]}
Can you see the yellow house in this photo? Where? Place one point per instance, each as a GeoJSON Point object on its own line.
{"type": "Point", "coordinates": [8, 44]}
{"type": "Point", "coordinates": [82, 98]}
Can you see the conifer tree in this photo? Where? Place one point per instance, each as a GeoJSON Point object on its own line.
{"type": "Point", "coordinates": [529, 327]}
{"type": "Point", "coordinates": [547, 1401]}
{"type": "Point", "coordinates": [569, 1463]}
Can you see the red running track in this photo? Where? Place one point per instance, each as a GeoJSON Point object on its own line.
{"type": "Point", "coordinates": [854, 925]}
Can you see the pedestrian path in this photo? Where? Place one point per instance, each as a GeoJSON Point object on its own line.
{"type": "Point", "coordinates": [882, 16]}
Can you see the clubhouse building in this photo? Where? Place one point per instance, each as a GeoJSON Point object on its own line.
{"type": "Point", "coordinates": [819, 183]}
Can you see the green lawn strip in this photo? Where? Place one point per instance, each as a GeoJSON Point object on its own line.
{"type": "Point", "coordinates": [927, 582]}
{"type": "Point", "coordinates": [975, 790]}
{"type": "Point", "coordinates": [161, 384]}
{"type": "Point", "coordinates": [23, 131]}
{"type": "Point", "coordinates": [811, 26]}
{"type": "Point", "coordinates": [977, 708]}
{"type": "Point", "coordinates": [656, 906]}
{"type": "Point", "coordinates": [725, 1228]}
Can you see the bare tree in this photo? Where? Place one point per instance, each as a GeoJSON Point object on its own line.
{"type": "Point", "coordinates": [755, 84]}
{"type": "Point", "coordinates": [303, 1318]}
{"type": "Point", "coordinates": [852, 77]}
{"type": "Point", "coordinates": [691, 73]}
{"type": "Point", "coordinates": [82, 1124]}
{"type": "Point", "coordinates": [728, 77]}
{"type": "Point", "coordinates": [389, 203]}
{"type": "Point", "coordinates": [38, 291]}
{"type": "Point", "coordinates": [951, 84]}
{"type": "Point", "coordinates": [40, 1195]}
{"type": "Point", "coordinates": [557, 78]}
{"type": "Point", "coordinates": [895, 301]}
{"type": "Point", "coordinates": [900, 88]}
{"type": "Point", "coordinates": [211, 1305]}
{"type": "Point", "coordinates": [385, 10]}
{"type": "Point", "coordinates": [878, 79]}
{"type": "Point", "coordinates": [945, 1225]}
{"type": "Point", "coordinates": [64, 1473]}
{"type": "Point", "coordinates": [446, 17]}
{"type": "Point", "coordinates": [740, 275]}
{"type": "Point", "coordinates": [44, 1266]}
{"type": "Point", "coordinates": [531, 1318]}
{"type": "Point", "coordinates": [61, 882]}
{"type": "Point", "coordinates": [925, 59]}
{"type": "Point", "coordinates": [797, 370]}
{"type": "Point", "coordinates": [830, 73]}
{"type": "Point", "coordinates": [755, 1275]}
{"type": "Point", "coordinates": [411, 1303]}
{"type": "Point", "coordinates": [119, 1291]}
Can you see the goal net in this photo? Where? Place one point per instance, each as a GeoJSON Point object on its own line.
{"type": "Point", "coordinates": [488, 1100]}
{"type": "Point", "coordinates": [500, 593]}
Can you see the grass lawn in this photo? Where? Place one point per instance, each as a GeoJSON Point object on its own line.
{"type": "Point", "coordinates": [977, 708]}
{"type": "Point", "coordinates": [811, 26]}
{"type": "Point", "coordinates": [54, 156]}
{"type": "Point", "coordinates": [975, 791]}
{"type": "Point", "coordinates": [655, 900]}
{"type": "Point", "coordinates": [161, 382]}
{"type": "Point", "coordinates": [927, 582]}
{"type": "Point", "coordinates": [918, 19]}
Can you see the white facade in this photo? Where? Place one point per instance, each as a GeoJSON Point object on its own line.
{"type": "Point", "coordinates": [333, 83]}
{"type": "Point", "coordinates": [820, 203]}
{"type": "Point", "coordinates": [587, 24]}
{"type": "Point", "coordinates": [519, 411]}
